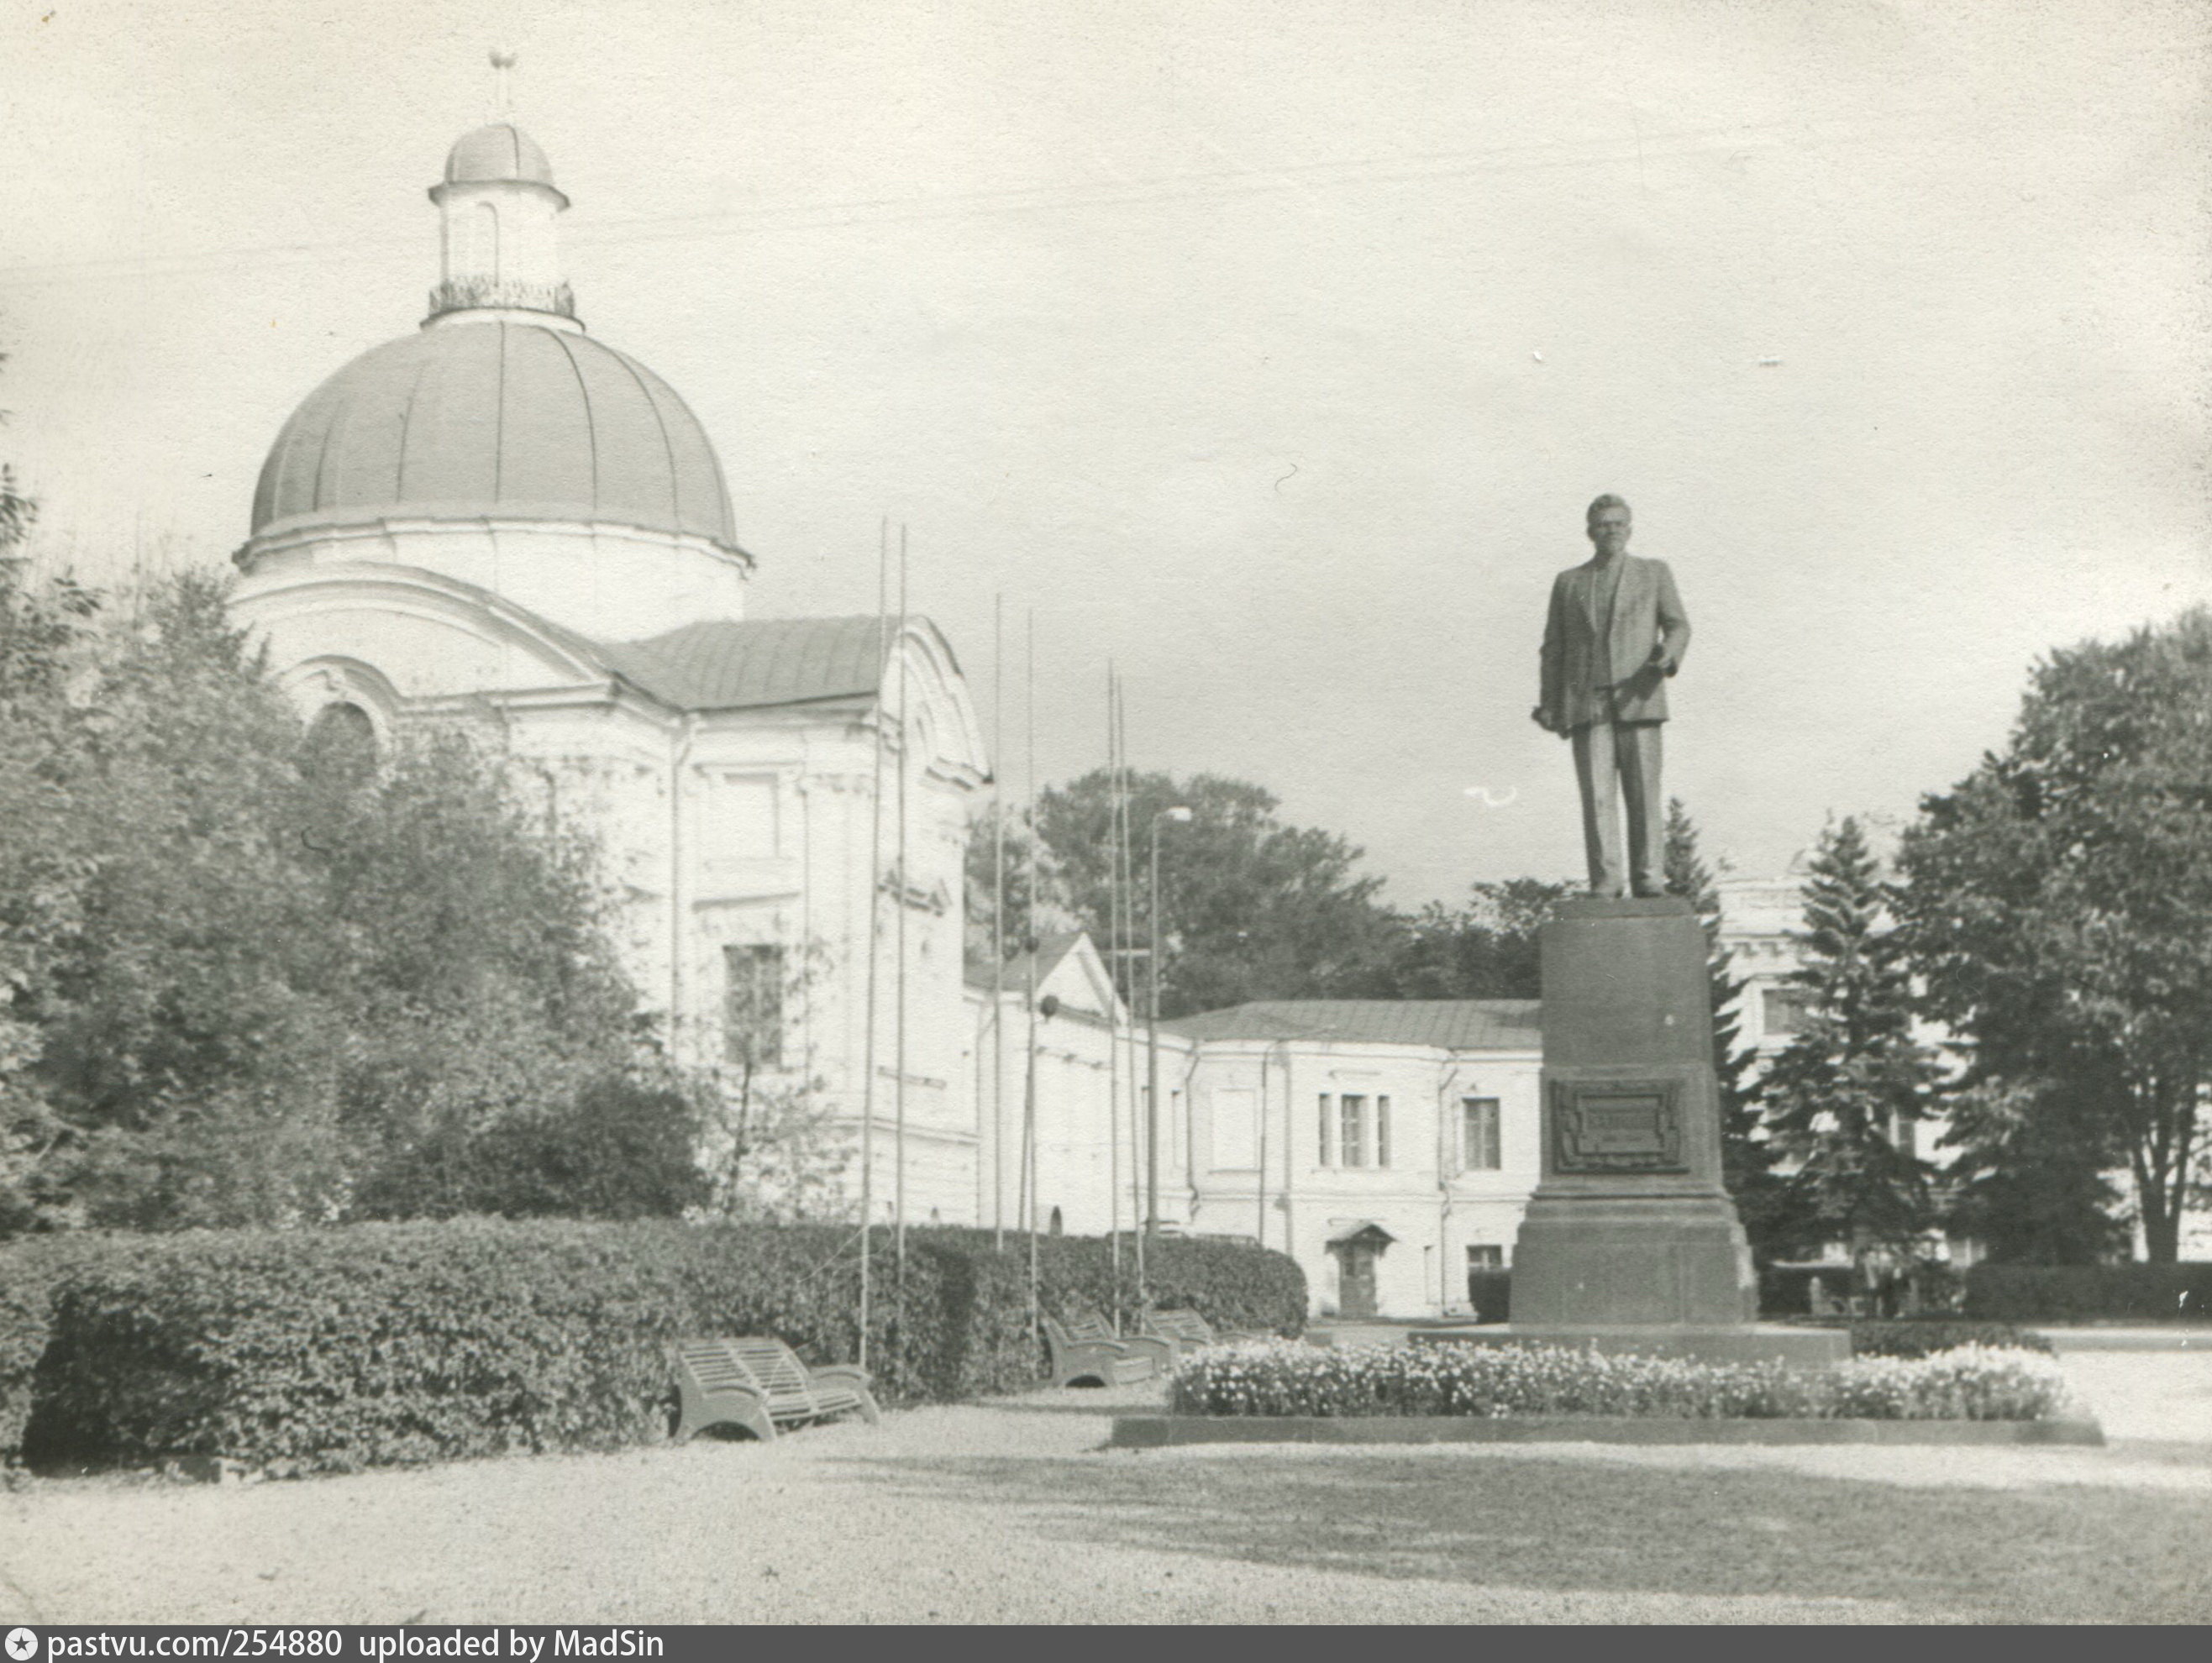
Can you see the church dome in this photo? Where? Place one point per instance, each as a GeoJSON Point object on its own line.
{"type": "Point", "coordinates": [483, 417]}
{"type": "Point", "coordinates": [501, 151]}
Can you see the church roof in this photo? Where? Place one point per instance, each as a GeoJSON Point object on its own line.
{"type": "Point", "coordinates": [1050, 949]}
{"type": "Point", "coordinates": [1447, 1024]}
{"type": "Point", "coordinates": [501, 150]}
{"type": "Point", "coordinates": [747, 664]}
{"type": "Point", "coordinates": [495, 418]}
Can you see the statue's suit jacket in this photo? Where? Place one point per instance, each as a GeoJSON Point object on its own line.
{"type": "Point", "coordinates": [1646, 611]}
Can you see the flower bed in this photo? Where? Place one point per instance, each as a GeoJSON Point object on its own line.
{"type": "Point", "coordinates": [1972, 1383]}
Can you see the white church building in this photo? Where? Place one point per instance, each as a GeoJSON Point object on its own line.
{"type": "Point", "coordinates": [499, 520]}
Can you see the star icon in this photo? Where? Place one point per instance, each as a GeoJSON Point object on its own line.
{"type": "Point", "coordinates": [22, 1645]}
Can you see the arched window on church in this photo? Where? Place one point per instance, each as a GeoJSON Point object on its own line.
{"type": "Point", "coordinates": [487, 240]}
{"type": "Point", "coordinates": [341, 745]}
{"type": "Point", "coordinates": [1056, 1225]}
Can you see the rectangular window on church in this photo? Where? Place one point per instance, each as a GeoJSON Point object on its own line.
{"type": "Point", "coordinates": [752, 1005]}
{"type": "Point", "coordinates": [1327, 1130]}
{"type": "Point", "coordinates": [1478, 1135]}
{"type": "Point", "coordinates": [1352, 1134]}
{"type": "Point", "coordinates": [1382, 1132]}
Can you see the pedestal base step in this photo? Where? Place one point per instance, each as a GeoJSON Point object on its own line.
{"type": "Point", "coordinates": [1800, 1348]}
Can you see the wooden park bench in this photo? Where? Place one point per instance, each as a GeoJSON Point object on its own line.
{"type": "Point", "coordinates": [1188, 1331]}
{"type": "Point", "coordinates": [1085, 1348]}
{"type": "Point", "coordinates": [761, 1384]}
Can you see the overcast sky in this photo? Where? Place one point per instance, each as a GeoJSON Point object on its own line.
{"type": "Point", "coordinates": [1271, 350]}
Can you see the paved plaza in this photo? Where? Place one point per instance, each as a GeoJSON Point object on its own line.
{"type": "Point", "coordinates": [1011, 1512]}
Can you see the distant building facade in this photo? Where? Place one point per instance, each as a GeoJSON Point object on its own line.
{"type": "Point", "coordinates": [1389, 1146]}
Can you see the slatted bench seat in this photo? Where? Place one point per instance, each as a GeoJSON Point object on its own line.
{"type": "Point", "coordinates": [760, 1384]}
{"type": "Point", "coordinates": [1085, 1349]}
{"type": "Point", "coordinates": [1188, 1331]}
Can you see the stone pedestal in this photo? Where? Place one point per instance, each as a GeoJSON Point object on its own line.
{"type": "Point", "coordinates": [1631, 1240]}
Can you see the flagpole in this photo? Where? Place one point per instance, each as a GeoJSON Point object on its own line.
{"type": "Point", "coordinates": [998, 921]}
{"type": "Point", "coordinates": [1029, 1108]}
{"type": "Point", "coordinates": [1113, 1025]}
{"type": "Point", "coordinates": [903, 899]}
{"type": "Point", "coordinates": [875, 888]}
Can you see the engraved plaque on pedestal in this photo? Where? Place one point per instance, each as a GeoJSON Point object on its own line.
{"type": "Point", "coordinates": [1618, 1127]}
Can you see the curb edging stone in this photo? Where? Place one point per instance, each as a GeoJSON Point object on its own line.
{"type": "Point", "coordinates": [1158, 1431]}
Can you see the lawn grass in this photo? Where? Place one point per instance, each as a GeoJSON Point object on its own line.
{"type": "Point", "coordinates": [2059, 1553]}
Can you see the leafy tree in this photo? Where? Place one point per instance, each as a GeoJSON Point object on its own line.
{"type": "Point", "coordinates": [2059, 900]}
{"type": "Point", "coordinates": [1485, 950]}
{"type": "Point", "coordinates": [259, 975]}
{"type": "Point", "coordinates": [1251, 909]}
{"type": "Point", "coordinates": [16, 510]}
{"type": "Point", "coordinates": [1844, 1096]}
{"type": "Point", "coordinates": [771, 1147]}
{"type": "Point", "coordinates": [2027, 1182]}
{"type": "Point", "coordinates": [1747, 1158]}
{"type": "Point", "coordinates": [982, 886]}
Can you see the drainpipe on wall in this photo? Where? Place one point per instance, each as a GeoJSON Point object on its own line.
{"type": "Point", "coordinates": [1290, 1147]}
{"type": "Point", "coordinates": [1261, 1220]}
{"type": "Point", "coordinates": [1190, 1138]}
{"type": "Point", "coordinates": [1443, 1186]}
{"type": "Point", "coordinates": [677, 886]}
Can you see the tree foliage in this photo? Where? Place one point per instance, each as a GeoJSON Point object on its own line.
{"type": "Point", "coordinates": [255, 974]}
{"type": "Point", "coordinates": [1251, 909]}
{"type": "Point", "coordinates": [1254, 908]}
{"type": "Point", "coordinates": [2026, 1180]}
{"type": "Point", "coordinates": [1843, 1096]}
{"type": "Point", "coordinates": [1748, 1158]}
{"type": "Point", "coordinates": [2060, 907]}
{"type": "Point", "coordinates": [1485, 948]}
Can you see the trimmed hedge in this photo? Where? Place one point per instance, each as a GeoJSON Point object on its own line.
{"type": "Point", "coordinates": [1921, 1337]}
{"type": "Point", "coordinates": [1233, 1284]}
{"type": "Point", "coordinates": [2089, 1293]}
{"type": "Point", "coordinates": [376, 1343]}
{"type": "Point", "coordinates": [1491, 1294]}
{"type": "Point", "coordinates": [32, 1272]}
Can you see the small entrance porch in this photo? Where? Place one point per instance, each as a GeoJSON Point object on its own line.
{"type": "Point", "coordinates": [1356, 1246]}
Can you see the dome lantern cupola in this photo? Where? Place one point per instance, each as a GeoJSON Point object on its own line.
{"type": "Point", "coordinates": [500, 445]}
{"type": "Point", "coordinates": [498, 202]}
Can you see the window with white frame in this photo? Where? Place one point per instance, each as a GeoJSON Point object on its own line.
{"type": "Point", "coordinates": [1382, 1132]}
{"type": "Point", "coordinates": [1479, 1138]}
{"type": "Point", "coordinates": [1352, 1130]}
{"type": "Point", "coordinates": [1326, 1155]}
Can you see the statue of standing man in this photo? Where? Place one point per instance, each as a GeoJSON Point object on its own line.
{"type": "Point", "coordinates": [1615, 632]}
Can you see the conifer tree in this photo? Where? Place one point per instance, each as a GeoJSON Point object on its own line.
{"type": "Point", "coordinates": [1844, 1098]}
{"type": "Point", "coordinates": [1746, 1157]}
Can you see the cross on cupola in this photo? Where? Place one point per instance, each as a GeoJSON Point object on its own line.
{"type": "Point", "coordinates": [498, 202]}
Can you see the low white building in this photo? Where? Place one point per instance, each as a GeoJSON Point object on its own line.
{"type": "Point", "coordinates": [1389, 1146]}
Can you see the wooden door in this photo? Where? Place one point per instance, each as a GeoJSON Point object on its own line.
{"type": "Point", "coordinates": [1356, 1294]}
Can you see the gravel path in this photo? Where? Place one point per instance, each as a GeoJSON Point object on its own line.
{"type": "Point", "coordinates": [1011, 1511]}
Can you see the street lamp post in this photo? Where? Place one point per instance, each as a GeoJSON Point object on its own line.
{"type": "Point", "coordinates": [1182, 816]}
